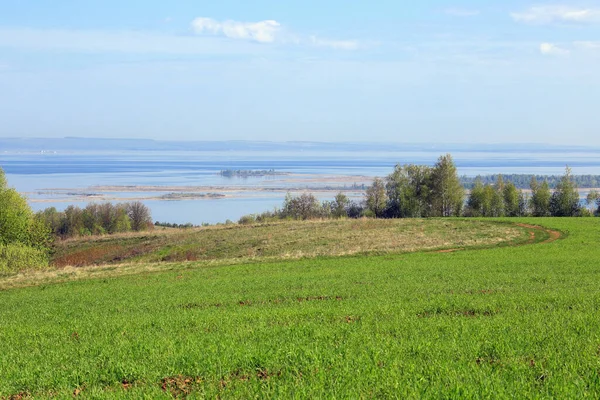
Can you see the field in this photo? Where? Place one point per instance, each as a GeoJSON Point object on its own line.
{"type": "Point", "coordinates": [515, 313]}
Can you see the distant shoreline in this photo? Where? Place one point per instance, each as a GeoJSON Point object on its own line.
{"type": "Point", "coordinates": [188, 193]}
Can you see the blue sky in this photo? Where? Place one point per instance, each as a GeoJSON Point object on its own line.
{"type": "Point", "coordinates": [428, 71]}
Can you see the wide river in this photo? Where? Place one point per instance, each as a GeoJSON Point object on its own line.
{"type": "Point", "coordinates": [59, 179]}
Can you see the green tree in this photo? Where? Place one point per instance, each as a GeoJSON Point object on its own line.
{"type": "Point", "coordinates": [498, 205]}
{"type": "Point", "coordinates": [3, 182]}
{"type": "Point", "coordinates": [593, 200]}
{"type": "Point", "coordinates": [540, 198]}
{"type": "Point", "coordinates": [305, 206]}
{"type": "Point", "coordinates": [73, 222]}
{"type": "Point", "coordinates": [512, 200]}
{"type": "Point", "coordinates": [24, 239]}
{"type": "Point", "coordinates": [475, 203]}
{"type": "Point", "coordinates": [92, 220]}
{"type": "Point", "coordinates": [523, 204]}
{"type": "Point", "coordinates": [565, 199]}
{"type": "Point", "coordinates": [18, 224]}
{"type": "Point", "coordinates": [447, 194]}
{"type": "Point", "coordinates": [122, 222]}
{"type": "Point", "coordinates": [52, 218]}
{"type": "Point", "coordinates": [340, 205]}
{"type": "Point", "coordinates": [15, 217]}
{"type": "Point", "coordinates": [491, 200]}
{"type": "Point", "coordinates": [407, 189]}
{"type": "Point", "coordinates": [376, 198]}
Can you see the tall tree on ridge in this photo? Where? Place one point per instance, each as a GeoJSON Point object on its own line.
{"type": "Point", "coordinates": [447, 193]}
{"type": "Point", "coordinates": [565, 199]}
{"type": "Point", "coordinates": [540, 198]}
{"type": "Point", "coordinates": [476, 200]}
{"type": "Point", "coordinates": [512, 200]}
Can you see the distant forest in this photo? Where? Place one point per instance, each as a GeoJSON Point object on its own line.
{"type": "Point", "coordinates": [522, 181]}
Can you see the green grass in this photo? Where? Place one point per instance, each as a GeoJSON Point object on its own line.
{"type": "Point", "coordinates": [500, 322]}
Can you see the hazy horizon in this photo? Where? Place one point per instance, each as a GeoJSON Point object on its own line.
{"type": "Point", "coordinates": [15, 144]}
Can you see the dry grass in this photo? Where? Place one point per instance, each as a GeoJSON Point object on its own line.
{"type": "Point", "coordinates": [225, 245]}
{"type": "Point", "coordinates": [283, 240]}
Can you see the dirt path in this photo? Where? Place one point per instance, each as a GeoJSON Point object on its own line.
{"type": "Point", "coordinates": [552, 236]}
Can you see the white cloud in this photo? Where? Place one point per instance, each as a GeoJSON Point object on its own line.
{"type": "Point", "coordinates": [459, 12]}
{"type": "Point", "coordinates": [267, 31]}
{"type": "Point", "coordinates": [552, 14]}
{"type": "Point", "coordinates": [550, 49]}
{"type": "Point", "coordinates": [334, 44]}
{"type": "Point", "coordinates": [262, 31]}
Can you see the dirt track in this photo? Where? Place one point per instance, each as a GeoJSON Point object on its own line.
{"type": "Point", "coordinates": [552, 236]}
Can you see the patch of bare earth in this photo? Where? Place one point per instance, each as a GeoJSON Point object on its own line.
{"type": "Point", "coordinates": [552, 234]}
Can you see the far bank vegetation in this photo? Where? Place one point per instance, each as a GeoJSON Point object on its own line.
{"type": "Point", "coordinates": [421, 191]}
{"type": "Point", "coordinates": [97, 219]}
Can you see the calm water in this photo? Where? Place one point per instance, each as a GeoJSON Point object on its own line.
{"type": "Point", "coordinates": [33, 173]}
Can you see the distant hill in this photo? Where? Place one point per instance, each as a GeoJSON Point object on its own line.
{"type": "Point", "coordinates": [109, 145]}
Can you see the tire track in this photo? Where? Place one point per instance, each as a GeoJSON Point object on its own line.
{"type": "Point", "coordinates": [552, 237]}
{"type": "Point", "coordinates": [552, 234]}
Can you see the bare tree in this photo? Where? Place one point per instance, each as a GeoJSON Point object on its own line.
{"type": "Point", "coordinates": [139, 215]}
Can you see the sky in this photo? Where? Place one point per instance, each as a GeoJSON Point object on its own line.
{"type": "Point", "coordinates": [436, 71]}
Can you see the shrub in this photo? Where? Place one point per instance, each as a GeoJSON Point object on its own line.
{"type": "Point", "coordinates": [247, 219]}
{"type": "Point", "coordinates": [17, 257]}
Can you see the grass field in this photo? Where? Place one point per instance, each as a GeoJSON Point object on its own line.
{"type": "Point", "coordinates": [490, 321]}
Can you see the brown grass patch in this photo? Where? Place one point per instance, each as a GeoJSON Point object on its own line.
{"type": "Point", "coordinates": [17, 396]}
{"type": "Point", "coordinates": [180, 386]}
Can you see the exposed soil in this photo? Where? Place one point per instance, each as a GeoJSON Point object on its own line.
{"type": "Point", "coordinates": [552, 235]}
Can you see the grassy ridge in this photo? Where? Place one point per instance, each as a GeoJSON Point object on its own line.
{"type": "Point", "coordinates": [285, 240]}
{"type": "Point", "coordinates": [500, 322]}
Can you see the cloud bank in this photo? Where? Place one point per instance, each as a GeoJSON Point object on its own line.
{"type": "Point", "coordinates": [267, 31]}
{"type": "Point", "coordinates": [550, 49]}
{"type": "Point", "coordinates": [557, 14]}
{"type": "Point", "coordinates": [262, 31]}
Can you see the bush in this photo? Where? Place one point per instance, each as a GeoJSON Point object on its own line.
{"type": "Point", "coordinates": [247, 219]}
{"type": "Point", "coordinates": [18, 257]}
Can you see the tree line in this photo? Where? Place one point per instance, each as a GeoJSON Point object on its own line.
{"type": "Point", "coordinates": [421, 191]}
{"type": "Point", "coordinates": [97, 219]}
{"type": "Point", "coordinates": [523, 181]}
